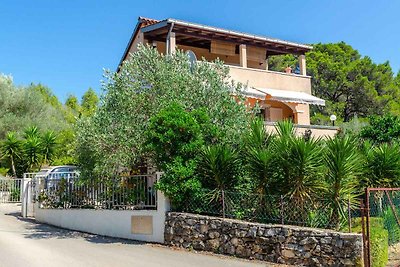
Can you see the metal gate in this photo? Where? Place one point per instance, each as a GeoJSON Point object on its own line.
{"type": "Point", "coordinates": [380, 215]}
{"type": "Point", "coordinates": [10, 190]}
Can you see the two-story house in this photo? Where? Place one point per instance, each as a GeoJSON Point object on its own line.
{"type": "Point", "coordinates": [280, 95]}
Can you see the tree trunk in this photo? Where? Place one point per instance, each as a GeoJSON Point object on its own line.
{"type": "Point", "coordinates": [13, 167]}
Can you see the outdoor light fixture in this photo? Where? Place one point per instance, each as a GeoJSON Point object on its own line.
{"type": "Point", "coordinates": [333, 118]}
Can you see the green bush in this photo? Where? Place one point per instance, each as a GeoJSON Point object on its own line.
{"type": "Point", "coordinates": [391, 225]}
{"type": "Point", "coordinates": [379, 240]}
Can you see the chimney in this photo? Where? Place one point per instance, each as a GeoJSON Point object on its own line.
{"type": "Point", "coordinates": [288, 70]}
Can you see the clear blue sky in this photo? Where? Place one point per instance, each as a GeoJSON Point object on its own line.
{"type": "Point", "coordinates": [66, 44]}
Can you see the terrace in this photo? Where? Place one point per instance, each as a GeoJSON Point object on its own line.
{"type": "Point", "coordinates": [280, 95]}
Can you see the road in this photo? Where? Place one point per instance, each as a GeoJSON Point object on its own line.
{"type": "Point", "coordinates": [25, 243]}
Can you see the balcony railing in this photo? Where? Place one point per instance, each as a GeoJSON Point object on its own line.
{"type": "Point", "coordinates": [270, 79]}
{"type": "Point", "coordinates": [316, 130]}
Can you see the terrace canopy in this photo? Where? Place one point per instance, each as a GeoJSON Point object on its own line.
{"type": "Point", "coordinates": [283, 96]}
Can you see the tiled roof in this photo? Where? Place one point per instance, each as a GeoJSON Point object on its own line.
{"type": "Point", "coordinates": [147, 21]}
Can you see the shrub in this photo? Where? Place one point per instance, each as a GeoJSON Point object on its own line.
{"type": "Point", "coordinates": [379, 240]}
{"type": "Point", "coordinates": [174, 139]}
{"type": "Point", "coordinates": [391, 225]}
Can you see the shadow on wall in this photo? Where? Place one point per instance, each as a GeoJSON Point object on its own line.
{"type": "Point", "coordinates": [36, 230]}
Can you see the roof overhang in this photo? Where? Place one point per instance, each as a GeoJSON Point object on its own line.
{"type": "Point", "coordinates": [283, 96]}
{"type": "Point", "coordinates": [142, 22]}
{"type": "Point", "coordinates": [198, 34]}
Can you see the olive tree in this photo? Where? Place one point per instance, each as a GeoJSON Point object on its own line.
{"type": "Point", "coordinates": [113, 138]}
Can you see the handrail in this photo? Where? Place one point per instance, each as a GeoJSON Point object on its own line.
{"type": "Point", "coordinates": [323, 127]}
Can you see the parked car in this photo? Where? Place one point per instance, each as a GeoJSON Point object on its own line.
{"type": "Point", "coordinates": [52, 175]}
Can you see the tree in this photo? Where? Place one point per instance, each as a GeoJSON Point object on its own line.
{"type": "Point", "coordinates": [22, 106]}
{"type": "Point", "coordinates": [146, 83]}
{"type": "Point", "coordinates": [46, 94]}
{"type": "Point", "coordinates": [382, 129]}
{"type": "Point", "coordinates": [73, 103]}
{"type": "Point", "coordinates": [351, 84]}
{"type": "Point", "coordinates": [89, 103]}
{"type": "Point", "coordinates": [11, 149]}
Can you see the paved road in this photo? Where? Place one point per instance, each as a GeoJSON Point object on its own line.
{"type": "Point", "coordinates": [24, 243]}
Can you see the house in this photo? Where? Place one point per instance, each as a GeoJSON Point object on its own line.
{"type": "Point", "coordinates": [280, 95]}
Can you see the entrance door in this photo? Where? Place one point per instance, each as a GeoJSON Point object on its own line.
{"type": "Point", "coordinates": [275, 114]}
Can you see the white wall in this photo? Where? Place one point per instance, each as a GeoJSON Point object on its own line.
{"type": "Point", "coordinates": [113, 223]}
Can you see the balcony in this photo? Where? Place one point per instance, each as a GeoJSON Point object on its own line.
{"type": "Point", "coordinates": [317, 131]}
{"type": "Point", "coordinates": [271, 79]}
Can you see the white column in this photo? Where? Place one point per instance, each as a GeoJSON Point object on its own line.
{"type": "Point", "coordinates": [171, 44]}
{"type": "Point", "coordinates": [243, 55]}
{"type": "Point", "coordinates": [26, 198]}
{"type": "Point", "coordinates": [302, 65]}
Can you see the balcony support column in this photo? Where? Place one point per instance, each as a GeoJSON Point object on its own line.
{"type": "Point", "coordinates": [243, 55]}
{"type": "Point", "coordinates": [171, 43]}
{"type": "Point", "coordinates": [302, 65]}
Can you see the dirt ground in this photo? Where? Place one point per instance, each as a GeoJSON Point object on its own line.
{"type": "Point", "coordinates": [394, 255]}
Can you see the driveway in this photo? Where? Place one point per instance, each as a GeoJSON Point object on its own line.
{"type": "Point", "coordinates": [23, 242]}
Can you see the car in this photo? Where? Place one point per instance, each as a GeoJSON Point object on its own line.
{"type": "Point", "coordinates": [52, 175]}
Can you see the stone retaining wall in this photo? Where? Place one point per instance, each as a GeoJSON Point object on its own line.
{"type": "Point", "coordinates": [274, 243]}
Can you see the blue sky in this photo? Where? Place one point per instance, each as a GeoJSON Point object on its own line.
{"type": "Point", "coordinates": [66, 44]}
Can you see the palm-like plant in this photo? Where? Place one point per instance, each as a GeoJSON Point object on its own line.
{"type": "Point", "coordinates": [382, 166]}
{"type": "Point", "coordinates": [285, 128]}
{"type": "Point", "coordinates": [49, 142]}
{"type": "Point", "coordinates": [33, 151]}
{"type": "Point", "coordinates": [257, 136]}
{"type": "Point", "coordinates": [258, 154]}
{"type": "Point", "coordinates": [343, 165]}
{"type": "Point", "coordinates": [31, 131]}
{"type": "Point", "coordinates": [219, 164]}
{"type": "Point", "coordinates": [11, 149]}
{"type": "Point", "coordinates": [301, 165]}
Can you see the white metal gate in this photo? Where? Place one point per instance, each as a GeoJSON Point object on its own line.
{"type": "Point", "coordinates": [10, 190]}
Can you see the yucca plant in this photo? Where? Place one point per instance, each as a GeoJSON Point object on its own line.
{"type": "Point", "coordinates": [257, 136]}
{"type": "Point", "coordinates": [300, 162]}
{"type": "Point", "coordinates": [33, 151]}
{"type": "Point", "coordinates": [31, 131]}
{"type": "Point", "coordinates": [11, 149]}
{"type": "Point", "coordinates": [258, 154]}
{"type": "Point", "coordinates": [343, 165]}
{"type": "Point", "coordinates": [219, 165]}
{"type": "Point", "coordinates": [382, 166]}
{"type": "Point", "coordinates": [49, 142]}
{"type": "Point", "coordinates": [285, 128]}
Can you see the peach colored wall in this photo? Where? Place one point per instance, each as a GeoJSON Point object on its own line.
{"type": "Point", "coordinates": [323, 133]}
{"type": "Point", "coordinates": [252, 77]}
{"type": "Point", "coordinates": [139, 39]}
{"type": "Point", "coordinates": [302, 113]}
{"type": "Point", "coordinates": [287, 111]}
{"type": "Point", "coordinates": [271, 79]}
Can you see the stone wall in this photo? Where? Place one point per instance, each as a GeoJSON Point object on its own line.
{"type": "Point", "coordinates": [274, 243]}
